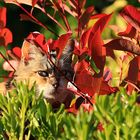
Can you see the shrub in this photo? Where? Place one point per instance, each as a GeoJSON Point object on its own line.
{"type": "Point", "coordinates": [26, 116]}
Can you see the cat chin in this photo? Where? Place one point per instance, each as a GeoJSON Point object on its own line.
{"type": "Point", "coordinates": [54, 94]}
{"type": "Point", "coordinates": [49, 96]}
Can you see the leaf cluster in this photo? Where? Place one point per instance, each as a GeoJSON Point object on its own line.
{"type": "Point", "coordinates": [26, 116]}
{"type": "Point", "coordinates": [119, 116]}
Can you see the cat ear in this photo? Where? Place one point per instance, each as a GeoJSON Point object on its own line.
{"type": "Point", "coordinates": [30, 51]}
{"type": "Point", "coordinates": [65, 60]}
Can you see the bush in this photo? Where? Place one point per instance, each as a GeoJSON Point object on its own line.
{"type": "Point", "coordinates": [26, 116]}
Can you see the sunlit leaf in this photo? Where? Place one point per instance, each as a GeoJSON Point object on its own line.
{"type": "Point", "coordinates": [17, 52]}
{"type": "Point", "coordinates": [2, 17]}
{"type": "Point", "coordinates": [129, 32]}
{"type": "Point", "coordinates": [132, 16]}
{"type": "Point", "coordinates": [5, 37]}
{"type": "Point", "coordinates": [86, 16]}
{"type": "Point", "coordinates": [124, 45]}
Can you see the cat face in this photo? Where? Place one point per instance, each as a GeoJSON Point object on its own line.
{"type": "Point", "coordinates": [41, 70]}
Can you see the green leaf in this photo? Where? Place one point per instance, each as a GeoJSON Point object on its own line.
{"type": "Point", "coordinates": [94, 67]}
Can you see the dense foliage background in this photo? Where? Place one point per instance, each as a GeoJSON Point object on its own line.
{"type": "Point", "coordinates": [106, 64]}
{"type": "Point", "coordinates": [21, 29]}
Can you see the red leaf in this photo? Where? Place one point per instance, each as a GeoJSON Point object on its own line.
{"type": "Point", "coordinates": [106, 89]}
{"type": "Point", "coordinates": [59, 6]}
{"type": "Point", "coordinates": [60, 43]}
{"type": "Point", "coordinates": [5, 37]}
{"type": "Point", "coordinates": [110, 52]}
{"type": "Point", "coordinates": [97, 81]}
{"type": "Point", "coordinates": [95, 43]}
{"type": "Point", "coordinates": [133, 78]}
{"type": "Point", "coordinates": [134, 70]}
{"type": "Point", "coordinates": [17, 51]}
{"type": "Point", "coordinates": [98, 16]}
{"type": "Point", "coordinates": [5, 34]}
{"type": "Point", "coordinates": [80, 51]}
{"type": "Point", "coordinates": [130, 88]}
{"type": "Point", "coordinates": [34, 2]}
{"type": "Point", "coordinates": [81, 66]}
{"type": "Point", "coordinates": [84, 19]}
{"type": "Point", "coordinates": [70, 11]}
{"type": "Point", "coordinates": [40, 40]}
{"type": "Point", "coordinates": [124, 45]}
{"type": "Point", "coordinates": [2, 17]}
{"type": "Point", "coordinates": [132, 16]}
{"type": "Point", "coordinates": [101, 23]}
{"type": "Point", "coordinates": [129, 32]}
{"type": "Point", "coordinates": [97, 51]}
{"type": "Point", "coordinates": [83, 78]}
{"type": "Point", "coordinates": [85, 37]}
{"type": "Point", "coordinates": [85, 82]}
{"type": "Point", "coordinates": [81, 3]}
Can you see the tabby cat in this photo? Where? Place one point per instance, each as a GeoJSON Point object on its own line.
{"type": "Point", "coordinates": [49, 74]}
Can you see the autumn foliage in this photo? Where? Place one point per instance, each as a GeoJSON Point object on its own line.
{"type": "Point", "coordinates": [92, 76]}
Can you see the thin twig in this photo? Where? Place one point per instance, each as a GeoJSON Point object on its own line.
{"type": "Point", "coordinates": [80, 92]}
{"type": "Point", "coordinates": [36, 20]}
{"type": "Point", "coordinates": [63, 16]}
{"type": "Point", "coordinates": [134, 85]}
{"type": "Point", "coordinates": [53, 19]}
{"type": "Point", "coordinates": [7, 61]}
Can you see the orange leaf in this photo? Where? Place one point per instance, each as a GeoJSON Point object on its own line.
{"type": "Point", "coordinates": [5, 37]}
{"type": "Point", "coordinates": [2, 17]}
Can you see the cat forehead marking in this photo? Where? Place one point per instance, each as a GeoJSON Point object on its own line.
{"type": "Point", "coordinates": [46, 63]}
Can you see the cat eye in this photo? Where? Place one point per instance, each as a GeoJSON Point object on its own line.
{"type": "Point", "coordinates": [43, 73]}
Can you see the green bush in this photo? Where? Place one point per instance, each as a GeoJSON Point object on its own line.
{"type": "Point", "coordinates": [120, 115]}
{"type": "Point", "coordinates": [26, 116]}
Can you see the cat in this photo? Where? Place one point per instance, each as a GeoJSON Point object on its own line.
{"type": "Point", "coordinates": [49, 74]}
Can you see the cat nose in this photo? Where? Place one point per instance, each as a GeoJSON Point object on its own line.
{"type": "Point", "coordinates": [53, 81]}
